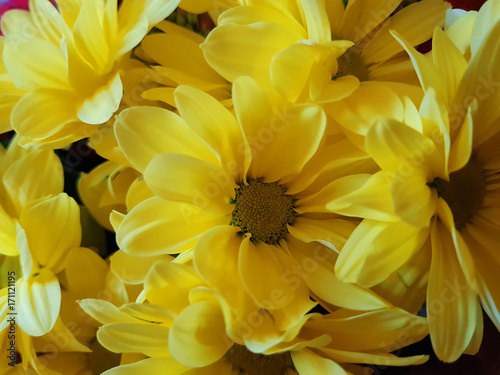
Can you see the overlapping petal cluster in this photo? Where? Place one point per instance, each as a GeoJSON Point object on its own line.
{"type": "Point", "coordinates": [280, 197]}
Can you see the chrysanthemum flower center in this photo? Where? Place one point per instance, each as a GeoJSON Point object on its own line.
{"type": "Point", "coordinates": [263, 210]}
{"type": "Point", "coordinates": [259, 364]}
{"type": "Point", "coordinates": [464, 193]}
{"type": "Point", "coordinates": [351, 63]}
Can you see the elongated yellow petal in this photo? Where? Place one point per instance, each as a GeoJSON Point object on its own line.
{"type": "Point", "coordinates": [246, 50]}
{"type": "Point", "coordinates": [47, 71]}
{"type": "Point", "coordinates": [157, 226]}
{"type": "Point", "coordinates": [133, 269]}
{"type": "Point", "coordinates": [301, 129]}
{"type": "Point", "coordinates": [360, 331]}
{"type": "Point", "coordinates": [222, 242]}
{"type": "Point", "coordinates": [375, 250]}
{"type": "Point", "coordinates": [197, 337]}
{"type": "Point", "coordinates": [85, 272]}
{"type": "Point", "coordinates": [400, 149]}
{"type": "Point", "coordinates": [332, 233]}
{"type": "Point", "coordinates": [53, 228]}
{"type": "Point", "coordinates": [149, 339]}
{"type": "Point", "coordinates": [144, 132]}
{"type": "Point", "coordinates": [215, 124]}
{"type": "Point", "coordinates": [191, 181]}
{"type": "Point", "coordinates": [162, 48]}
{"type": "Point", "coordinates": [307, 362]}
{"type": "Point", "coordinates": [376, 358]}
{"type": "Point", "coordinates": [165, 366]}
{"type": "Point", "coordinates": [358, 195]}
{"type": "Point", "coordinates": [274, 291]}
{"type": "Point", "coordinates": [39, 302]}
{"type": "Point", "coordinates": [415, 23]}
{"type": "Point", "coordinates": [35, 114]}
{"type": "Point", "coordinates": [22, 178]}
{"type": "Point", "coordinates": [98, 108]}
{"type": "Point", "coordinates": [451, 305]}
{"type": "Point", "coordinates": [317, 267]}
{"type": "Point", "coordinates": [361, 17]}
{"type": "Point", "coordinates": [291, 68]}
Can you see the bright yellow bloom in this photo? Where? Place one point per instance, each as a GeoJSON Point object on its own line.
{"type": "Point", "coordinates": [321, 51]}
{"type": "Point", "coordinates": [185, 327]}
{"type": "Point", "coordinates": [441, 171]}
{"type": "Point", "coordinates": [245, 192]}
{"type": "Point", "coordinates": [74, 82]}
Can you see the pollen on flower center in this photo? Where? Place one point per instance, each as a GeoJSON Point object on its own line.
{"type": "Point", "coordinates": [464, 193]}
{"type": "Point", "coordinates": [263, 210]}
{"type": "Point", "coordinates": [259, 364]}
{"type": "Point", "coordinates": [351, 63]}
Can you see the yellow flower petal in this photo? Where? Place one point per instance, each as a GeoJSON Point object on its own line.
{"type": "Point", "coordinates": [149, 339]}
{"type": "Point", "coordinates": [133, 269]}
{"type": "Point", "coordinates": [157, 226]}
{"type": "Point", "coordinates": [36, 113]}
{"type": "Point", "coordinates": [300, 128]}
{"type": "Point", "coordinates": [197, 337]}
{"type": "Point", "coordinates": [398, 148]}
{"type": "Point", "coordinates": [53, 228]}
{"type": "Point", "coordinates": [317, 268]}
{"type": "Point", "coordinates": [451, 305]}
{"type": "Point", "coordinates": [332, 233]}
{"type": "Point", "coordinates": [220, 243]}
{"type": "Point", "coordinates": [215, 124]}
{"type": "Point", "coordinates": [273, 292]}
{"type": "Point", "coordinates": [99, 107]}
{"type": "Point", "coordinates": [318, 24]}
{"type": "Point", "coordinates": [144, 132]}
{"type": "Point", "coordinates": [23, 178]}
{"type": "Point", "coordinates": [164, 366]}
{"type": "Point", "coordinates": [105, 312]}
{"type": "Point", "coordinates": [8, 234]}
{"type": "Point", "coordinates": [413, 200]}
{"type": "Point", "coordinates": [47, 71]}
{"type": "Point", "coordinates": [246, 50]}
{"type": "Point", "coordinates": [162, 48]}
{"type": "Point", "coordinates": [191, 180]}
{"type": "Point", "coordinates": [376, 249]}
{"type": "Point", "coordinates": [307, 362]}
{"type": "Point", "coordinates": [291, 68]}
{"type": "Point", "coordinates": [85, 272]}
{"type": "Point", "coordinates": [377, 358]}
{"type": "Point", "coordinates": [39, 302]}
{"type": "Point", "coordinates": [360, 331]}
{"type": "Point", "coordinates": [415, 23]}
{"type": "Point", "coordinates": [360, 195]}
{"type": "Point", "coordinates": [361, 17]}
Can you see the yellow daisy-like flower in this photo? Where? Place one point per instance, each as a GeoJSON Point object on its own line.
{"type": "Point", "coordinates": [190, 330]}
{"type": "Point", "coordinates": [321, 51]}
{"type": "Point", "coordinates": [441, 170]}
{"type": "Point", "coordinates": [247, 192]}
{"type": "Point", "coordinates": [74, 82]}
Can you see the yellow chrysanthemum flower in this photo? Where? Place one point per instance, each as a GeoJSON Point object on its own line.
{"type": "Point", "coordinates": [321, 51]}
{"type": "Point", "coordinates": [185, 327]}
{"type": "Point", "coordinates": [237, 192]}
{"type": "Point", "coordinates": [74, 82]}
{"type": "Point", "coordinates": [441, 171]}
